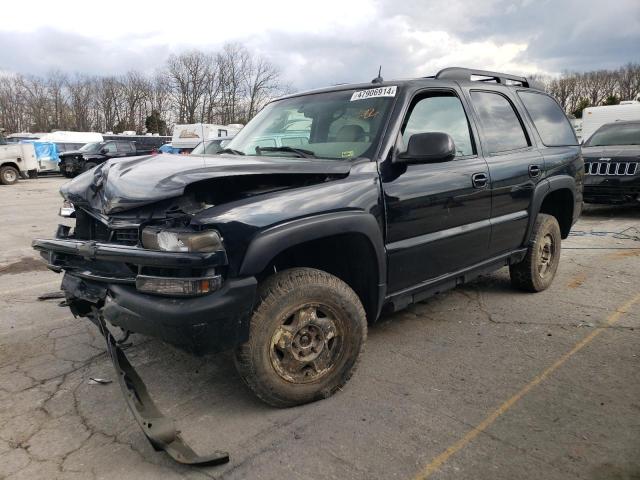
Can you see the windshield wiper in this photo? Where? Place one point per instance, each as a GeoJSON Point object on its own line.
{"type": "Point", "coordinates": [301, 152]}
{"type": "Point", "coordinates": [231, 150]}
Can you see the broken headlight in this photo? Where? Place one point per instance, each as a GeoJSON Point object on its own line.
{"type": "Point", "coordinates": [175, 240]}
{"type": "Point", "coordinates": [67, 210]}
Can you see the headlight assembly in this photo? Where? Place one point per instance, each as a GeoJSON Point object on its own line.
{"type": "Point", "coordinates": [175, 240]}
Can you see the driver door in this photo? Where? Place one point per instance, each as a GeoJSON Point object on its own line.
{"type": "Point", "coordinates": [438, 214]}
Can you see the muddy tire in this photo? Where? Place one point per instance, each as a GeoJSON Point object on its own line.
{"type": "Point", "coordinates": [306, 335]}
{"type": "Point", "coordinates": [89, 166]}
{"type": "Point", "coordinates": [9, 175]}
{"type": "Point", "coordinates": [538, 268]}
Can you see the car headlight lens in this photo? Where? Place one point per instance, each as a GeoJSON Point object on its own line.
{"type": "Point", "coordinates": [67, 210]}
{"type": "Point", "coordinates": [174, 240]}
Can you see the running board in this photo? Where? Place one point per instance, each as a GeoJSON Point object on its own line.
{"type": "Point", "coordinates": [159, 430]}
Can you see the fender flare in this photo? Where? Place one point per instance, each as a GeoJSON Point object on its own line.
{"type": "Point", "coordinates": [269, 243]}
{"type": "Point", "coordinates": [272, 241]}
{"type": "Point", "coordinates": [543, 189]}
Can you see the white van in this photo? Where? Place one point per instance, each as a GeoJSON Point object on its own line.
{"type": "Point", "coordinates": [594, 117]}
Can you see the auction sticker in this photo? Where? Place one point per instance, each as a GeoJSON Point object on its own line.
{"type": "Point", "coordinates": [374, 92]}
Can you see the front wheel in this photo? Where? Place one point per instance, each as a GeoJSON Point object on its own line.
{"type": "Point", "coordinates": [306, 335]}
{"type": "Point", "coordinates": [538, 268]}
{"type": "Point", "coordinates": [88, 166]}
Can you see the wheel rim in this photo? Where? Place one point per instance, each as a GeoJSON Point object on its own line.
{"type": "Point", "coordinates": [307, 344]}
{"type": "Point", "coordinates": [10, 176]}
{"type": "Point", "coordinates": [546, 255]}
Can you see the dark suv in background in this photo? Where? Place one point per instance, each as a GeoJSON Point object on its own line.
{"type": "Point", "coordinates": [74, 162]}
{"type": "Point", "coordinates": [612, 164]}
{"type": "Point", "coordinates": [393, 192]}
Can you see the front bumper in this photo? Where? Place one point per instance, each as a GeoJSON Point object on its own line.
{"type": "Point", "coordinates": [611, 189]}
{"type": "Point", "coordinates": [103, 275]}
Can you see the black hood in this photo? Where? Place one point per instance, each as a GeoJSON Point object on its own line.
{"type": "Point", "coordinates": [612, 151]}
{"type": "Point", "coordinates": [123, 184]}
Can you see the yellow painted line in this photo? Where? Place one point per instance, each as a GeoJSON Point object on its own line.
{"type": "Point", "coordinates": [437, 462]}
{"type": "Point", "coordinates": [3, 293]}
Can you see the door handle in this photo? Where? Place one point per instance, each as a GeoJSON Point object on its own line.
{"type": "Point", "coordinates": [479, 180]}
{"type": "Point", "coordinates": [534, 171]}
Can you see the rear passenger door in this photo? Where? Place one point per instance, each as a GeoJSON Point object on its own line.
{"type": "Point", "coordinates": [515, 166]}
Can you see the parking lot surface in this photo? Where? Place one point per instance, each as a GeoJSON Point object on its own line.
{"type": "Point", "coordinates": [482, 382]}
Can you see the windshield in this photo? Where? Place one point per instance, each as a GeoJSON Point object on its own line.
{"type": "Point", "coordinates": [333, 125]}
{"type": "Point", "coordinates": [90, 147]}
{"type": "Point", "coordinates": [210, 147]}
{"type": "Point", "coordinates": [612, 134]}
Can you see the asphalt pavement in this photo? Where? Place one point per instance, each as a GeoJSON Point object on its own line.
{"type": "Point", "coordinates": [482, 382]}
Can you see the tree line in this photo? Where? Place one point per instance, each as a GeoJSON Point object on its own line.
{"type": "Point", "coordinates": [577, 91]}
{"type": "Point", "coordinates": [227, 86]}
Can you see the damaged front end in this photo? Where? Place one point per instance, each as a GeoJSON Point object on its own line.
{"type": "Point", "coordinates": [147, 255]}
{"type": "Point", "coordinates": [159, 278]}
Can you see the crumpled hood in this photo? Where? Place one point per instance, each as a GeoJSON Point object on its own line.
{"type": "Point", "coordinates": [123, 184]}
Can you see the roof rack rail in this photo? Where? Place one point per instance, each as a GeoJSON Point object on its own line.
{"type": "Point", "coordinates": [459, 73]}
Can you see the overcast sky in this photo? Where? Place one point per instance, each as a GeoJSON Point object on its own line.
{"type": "Point", "coordinates": [327, 42]}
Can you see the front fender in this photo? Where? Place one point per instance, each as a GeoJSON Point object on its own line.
{"type": "Point", "coordinates": [272, 241]}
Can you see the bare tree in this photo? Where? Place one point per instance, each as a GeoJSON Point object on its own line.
{"type": "Point", "coordinates": [188, 74]}
{"type": "Point", "coordinates": [628, 80]}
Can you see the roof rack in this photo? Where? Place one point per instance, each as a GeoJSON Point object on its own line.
{"type": "Point", "coordinates": [459, 73]}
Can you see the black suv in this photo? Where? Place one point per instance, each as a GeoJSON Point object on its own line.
{"type": "Point", "coordinates": [92, 154]}
{"type": "Point", "coordinates": [612, 164]}
{"type": "Point", "coordinates": [327, 209]}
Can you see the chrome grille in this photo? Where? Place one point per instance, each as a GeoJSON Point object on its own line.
{"type": "Point", "coordinates": [611, 168]}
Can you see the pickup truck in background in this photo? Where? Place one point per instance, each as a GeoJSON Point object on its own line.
{"type": "Point", "coordinates": [16, 160]}
{"type": "Point", "coordinates": [95, 153]}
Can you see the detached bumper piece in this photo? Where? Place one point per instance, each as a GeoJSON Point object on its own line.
{"type": "Point", "coordinates": [159, 430]}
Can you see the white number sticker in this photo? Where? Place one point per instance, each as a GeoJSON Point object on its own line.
{"type": "Point", "coordinates": [374, 92]}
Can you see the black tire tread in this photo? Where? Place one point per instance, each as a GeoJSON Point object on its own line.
{"type": "Point", "coordinates": [268, 293]}
{"type": "Point", "coordinates": [5, 168]}
{"type": "Point", "coordinates": [522, 273]}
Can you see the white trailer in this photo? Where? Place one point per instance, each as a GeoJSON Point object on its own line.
{"type": "Point", "coordinates": [188, 136]}
{"type": "Point", "coordinates": [594, 117]}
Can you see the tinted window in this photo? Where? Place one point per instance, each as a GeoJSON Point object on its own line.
{"type": "Point", "coordinates": [110, 147]}
{"type": "Point", "coordinates": [549, 119]}
{"type": "Point", "coordinates": [440, 114]}
{"type": "Point", "coordinates": [125, 147]}
{"type": "Point", "coordinates": [612, 134]}
{"type": "Point", "coordinates": [500, 124]}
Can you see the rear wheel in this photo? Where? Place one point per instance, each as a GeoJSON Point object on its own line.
{"type": "Point", "coordinates": [8, 175]}
{"type": "Point", "coordinates": [538, 268]}
{"type": "Point", "coordinates": [306, 335]}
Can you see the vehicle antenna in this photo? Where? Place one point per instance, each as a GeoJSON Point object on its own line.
{"type": "Point", "coordinates": [378, 79]}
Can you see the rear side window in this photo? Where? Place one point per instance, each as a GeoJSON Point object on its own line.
{"type": "Point", "coordinates": [500, 123]}
{"type": "Point", "coordinates": [549, 119]}
{"type": "Point", "coordinates": [125, 147]}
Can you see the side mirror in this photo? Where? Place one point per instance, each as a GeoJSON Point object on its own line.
{"type": "Point", "coordinates": [104, 150]}
{"type": "Point", "coordinates": [428, 147]}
